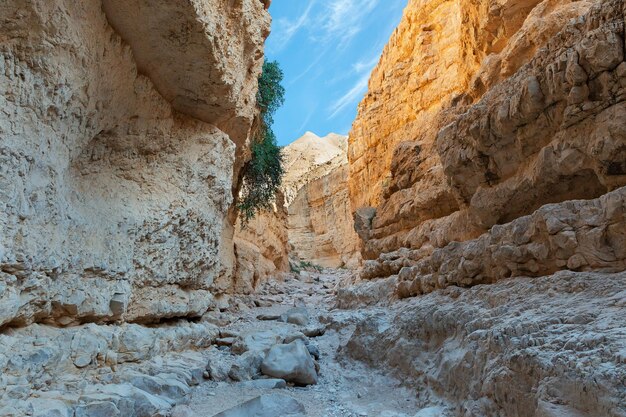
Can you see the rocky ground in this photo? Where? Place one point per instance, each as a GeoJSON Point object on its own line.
{"type": "Point", "coordinates": [344, 388]}
{"type": "Point", "coordinates": [553, 346]}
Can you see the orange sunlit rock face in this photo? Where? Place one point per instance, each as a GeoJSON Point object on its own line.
{"type": "Point", "coordinates": [444, 59]}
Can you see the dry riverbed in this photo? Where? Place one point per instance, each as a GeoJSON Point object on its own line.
{"type": "Point", "coordinates": [344, 388]}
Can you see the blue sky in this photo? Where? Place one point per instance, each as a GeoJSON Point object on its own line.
{"type": "Point", "coordinates": [327, 49]}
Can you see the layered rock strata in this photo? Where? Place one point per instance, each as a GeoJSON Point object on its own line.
{"type": "Point", "coordinates": [443, 58]}
{"type": "Point", "coordinates": [581, 235]}
{"type": "Point", "coordinates": [524, 347]}
{"type": "Point", "coordinates": [499, 200]}
{"type": "Point", "coordinates": [121, 128]}
{"type": "Point", "coordinates": [114, 197]}
{"type": "Point", "coordinates": [101, 370]}
{"type": "Point", "coordinates": [536, 125]}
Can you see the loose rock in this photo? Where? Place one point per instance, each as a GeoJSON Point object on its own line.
{"type": "Point", "coordinates": [247, 366]}
{"type": "Point", "coordinates": [272, 405]}
{"type": "Point", "coordinates": [256, 341]}
{"type": "Point", "coordinates": [297, 315]}
{"type": "Point", "coordinates": [291, 362]}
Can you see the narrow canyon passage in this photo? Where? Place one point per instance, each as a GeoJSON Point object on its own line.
{"type": "Point", "coordinates": [459, 250]}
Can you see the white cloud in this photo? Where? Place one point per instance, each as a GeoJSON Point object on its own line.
{"type": "Point", "coordinates": [307, 70]}
{"type": "Point", "coordinates": [284, 29]}
{"type": "Point", "coordinates": [363, 69]}
{"type": "Point", "coordinates": [366, 65]}
{"type": "Point", "coordinates": [344, 19]}
{"type": "Point", "coordinates": [355, 94]}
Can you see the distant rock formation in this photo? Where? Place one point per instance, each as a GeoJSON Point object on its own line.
{"type": "Point", "coordinates": [311, 221]}
{"type": "Point", "coordinates": [320, 225]}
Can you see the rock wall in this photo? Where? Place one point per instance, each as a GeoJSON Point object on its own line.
{"type": "Point", "coordinates": [524, 347]}
{"type": "Point", "coordinates": [261, 248]}
{"type": "Point", "coordinates": [320, 225]}
{"type": "Point", "coordinates": [114, 192]}
{"type": "Point", "coordinates": [123, 124]}
{"type": "Point", "coordinates": [535, 120]}
{"type": "Point", "coordinates": [495, 229]}
{"type": "Point", "coordinates": [443, 57]}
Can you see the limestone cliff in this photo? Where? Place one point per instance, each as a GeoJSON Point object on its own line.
{"type": "Point", "coordinates": [122, 126]}
{"type": "Point", "coordinates": [510, 106]}
{"type": "Point", "coordinates": [495, 225]}
{"type": "Point", "coordinates": [319, 217]}
{"type": "Point", "coordinates": [119, 127]}
{"type": "Point", "coordinates": [442, 57]}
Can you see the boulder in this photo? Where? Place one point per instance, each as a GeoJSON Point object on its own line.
{"type": "Point", "coordinates": [291, 362]}
{"type": "Point", "coordinates": [257, 341]}
{"type": "Point", "coordinates": [295, 335]}
{"type": "Point", "coordinates": [97, 409]}
{"type": "Point", "coordinates": [272, 405]}
{"type": "Point", "coordinates": [268, 317]}
{"type": "Point", "coordinates": [225, 341]}
{"type": "Point", "coordinates": [297, 315]}
{"type": "Point", "coordinates": [247, 366]}
{"type": "Point", "coordinates": [313, 351]}
{"type": "Point", "coordinates": [314, 331]}
{"type": "Point", "coordinates": [218, 370]}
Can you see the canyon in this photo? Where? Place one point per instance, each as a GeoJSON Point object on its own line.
{"type": "Point", "coordinates": [462, 252]}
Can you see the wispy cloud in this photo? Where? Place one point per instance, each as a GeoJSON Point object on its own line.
{"type": "Point", "coordinates": [366, 65]}
{"type": "Point", "coordinates": [345, 19]}
{"type": "Point", "coordinates": [307, 69]}
{"type": "Point", "coordinates": [285, 29]}
{"type": "Point", "coordinates": [307, 120]}
{"type": "Point", "coordinates": [362, 69]}
{"type": "Point", "coordinates": [355, 93]}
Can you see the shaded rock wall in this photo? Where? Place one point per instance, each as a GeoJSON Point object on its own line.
{"type": "Point", "coordinates": [261, 248]}
{"type": "Point", "coordinates": [114, 196]}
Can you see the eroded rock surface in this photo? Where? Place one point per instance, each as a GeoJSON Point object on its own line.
{"type": "Point", "coordinates": [551, 346]}
{"type": "Point", "coordinates": [537, 122]}
{"type": "Point", "coordinates": [492, 142]}
{"type": "Point", "coordinates": [319, 215]}
{"type": "Point", "coordinates": [261, 248]}
{"type": "Point", "coordinates": [113, 199]}
{"type": "Point", "coordinates": [118, 370]}
{"type": "Point", "coordinates": [114, 194]}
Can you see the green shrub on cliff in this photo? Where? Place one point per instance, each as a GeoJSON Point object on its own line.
{"type": "Point", "coordinates": [263, 173]}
